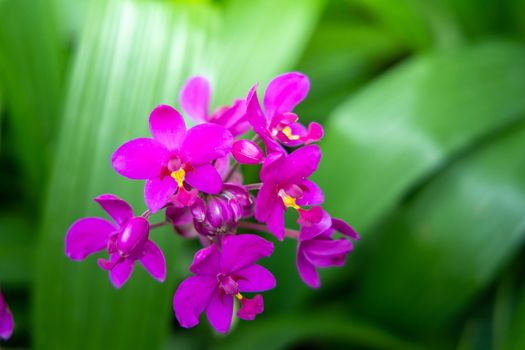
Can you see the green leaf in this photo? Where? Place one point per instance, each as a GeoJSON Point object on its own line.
{"type": "Point", "coordinates": [399, 18]}
{"type": "Point", "coordinates": [514, 337]}
{"type": "Point", "coordinates": [406, 124]}
{"type": "Point", "coordinates": [16, 250]}
{"type": "Point", "coordinates": [285, 331]}
{"type": "Point", "coordinates": [257, 39]}
{"type": "Point", "coordinates": [133, 56]}
{"type": "Point", "coordinates": [447, 243]}
{"type": "Point", "coordinates": [31, 75]}
{"type": "Point", "coordinates": [340, 58]}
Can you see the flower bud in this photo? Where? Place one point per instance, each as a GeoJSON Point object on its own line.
{"type": "Point", "coordinates": [241, 197]}
{"type": "Point", "coordinates": [131, 240]}
{"type": "Point", "coordinates": [220, 214]}
{"type": "Point", "coordinates": [247, 152]}
{"type": "Point", "coordinates": [182, 221]}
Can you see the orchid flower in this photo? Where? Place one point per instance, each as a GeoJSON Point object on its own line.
{"type": "Point", "coordinates": [317, 247]}
{"type": "Point", "coordinates": [195, 102]}
{"type": "Point", "coordinates": [285, 185]}
{"type": "Point", "coordinates": [278, 124]}
{"type": "Point", "coordinates": [221, 274]}
{"type": "Point", "coordinates": [194, 176]}
{"type": "Point", "coordinates": [173, 157]}
{"type": "Point", "coordinates": [126, 240]}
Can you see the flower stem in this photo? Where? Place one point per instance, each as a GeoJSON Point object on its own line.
{"type": "Point", "coordinates": [253, 187]}
{"type": "Point", "coordinates": [231, 172]}
{"type": "Point", "coordinates": [158, 224]}
{"type": "Point", "coordinates": [262, 228]}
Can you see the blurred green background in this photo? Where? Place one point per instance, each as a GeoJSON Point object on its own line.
{"type": "Point", "coordinates": [423, 103]}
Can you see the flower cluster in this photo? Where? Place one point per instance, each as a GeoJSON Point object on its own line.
{"type": "Point", "coordinates": [194, 176]}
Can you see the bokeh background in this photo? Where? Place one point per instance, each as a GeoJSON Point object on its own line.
{"type": "Point", "coordinates": [423, 103]}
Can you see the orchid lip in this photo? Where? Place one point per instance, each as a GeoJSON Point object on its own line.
{"type": "Point", "coordinates": [289, 201]}
{"type": "Point", "coordinates": [228, 284]}
{"type": "Point", "coordinates": [287, 131]}
{"type": "Point", "coordinates": [179, 175]}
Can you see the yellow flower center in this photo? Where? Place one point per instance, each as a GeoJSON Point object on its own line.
{"type": "Point", "coordinates": [288, 201]}
{"type": "Point", "coordinates": [287, 131]}
{"type": "Point", "coordinates": [178, 176]}
{"type": "Point", "coordinates": [239, 296]}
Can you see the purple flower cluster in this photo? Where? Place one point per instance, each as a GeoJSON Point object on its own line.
{"type": "Point", "coordinates": [194, 176]}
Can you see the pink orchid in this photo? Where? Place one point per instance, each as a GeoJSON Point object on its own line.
{"type": "Point", "coordinates": [221, 274]}
{"type": "Point", "coordinates": [126, 241]}
{"type": "Point", "coordinates": [175, 156]}
{"type": "Point", "coordinates": [194, 176]}
{"type": "Point", "coordinates": [317, 246]}
{"type": "Point", "coordinates": [195, 102]}
{"type": "Point", "coordinates": [277, 124]}
{"type": "Point", "coordinates": [286, 185]}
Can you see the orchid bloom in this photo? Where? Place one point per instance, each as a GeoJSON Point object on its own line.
{"type": "Point", "coordinates": [193, 176]}
{"type": "Point", "coordinates": [286, 185]}
{"type": "Point", "coordinates": [195, 102]}
{"type": "Point", "coordinates": [278, 124]}
{"type": "Point", "coordinates": [126, 240]}
{"type": "Point", "coordinates": [221, 274]}
{"type": "Point", "coordinates": [317, 247]}
{"type": "Point", "coordinates": [7, 323]}
{"type": "Point", "coordinates": [173, 157]}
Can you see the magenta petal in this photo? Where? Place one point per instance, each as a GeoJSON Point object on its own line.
{"type": "Point", "coordinates": [206, 142]}
{"type": "Point", "coordinates": [87, 236]}
{"type": "Point", "coordinates": [191, 298]}
{"type": "Point", "coordinates": [251, 308]}
{"type": "Point", "coordinates": [307, 270]}
{"type": "Point", "coordinates": [272, 165]}
{"type": "Point", "coordinates": [310, 231]}
{"type": "Point", "coordinates": [223, 165]}
{"type": "Point", "coordinates": [312, 194]}
{"type": "Point", "coordinates": [275, 221]}
{"type": "Point", "coordinates": [315, 133]}
{"type": "Point", "coordinates": [326, 247]}
{"type": "Point", "coordinates": [285, 92]}
{"type": "Point", "coordinates": [260, 122]}
{"type": "Point", "coordinates": [265, 201]}
{"type": "Point", "coordinates": [300, 164]}
{"type": "Point", "coordinates": [157, 192]}
{"type": "Point", "coordinates": [247, 152]}
{"type": "Point", "coordinates": [239, 251]}
{"type": "Point", "coordinates": [255, 114]}
{"type": "Point", "coordinates": [154, 262]}
{"type": "Point", "coordinates": [121, 273]}
{"type": "Point", "coordinates": [140, 159]}
{"type": "Point", "coordinates": [220, 312]}
{"type": "Point", "coordinates": [205, 178]}
{"type": "Point", "coordinates": [195, 98]}
{"type": "Point", "coordinates": [233, 118]}
{"type": "Point", "coordinates": [117, 208]}
{"type": "Point", "coordinates": [7, 323]}
{"type": "Point", "coordinates": [206, 262]}
{"type": "Point", "coordinates": [333, 256]}
{"type": "Point", "coordinates": [344, 228]}
{"type": "Point", "coordinates": [254, 278]}
{"type": "Point", "coordinates": [167, 126]}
